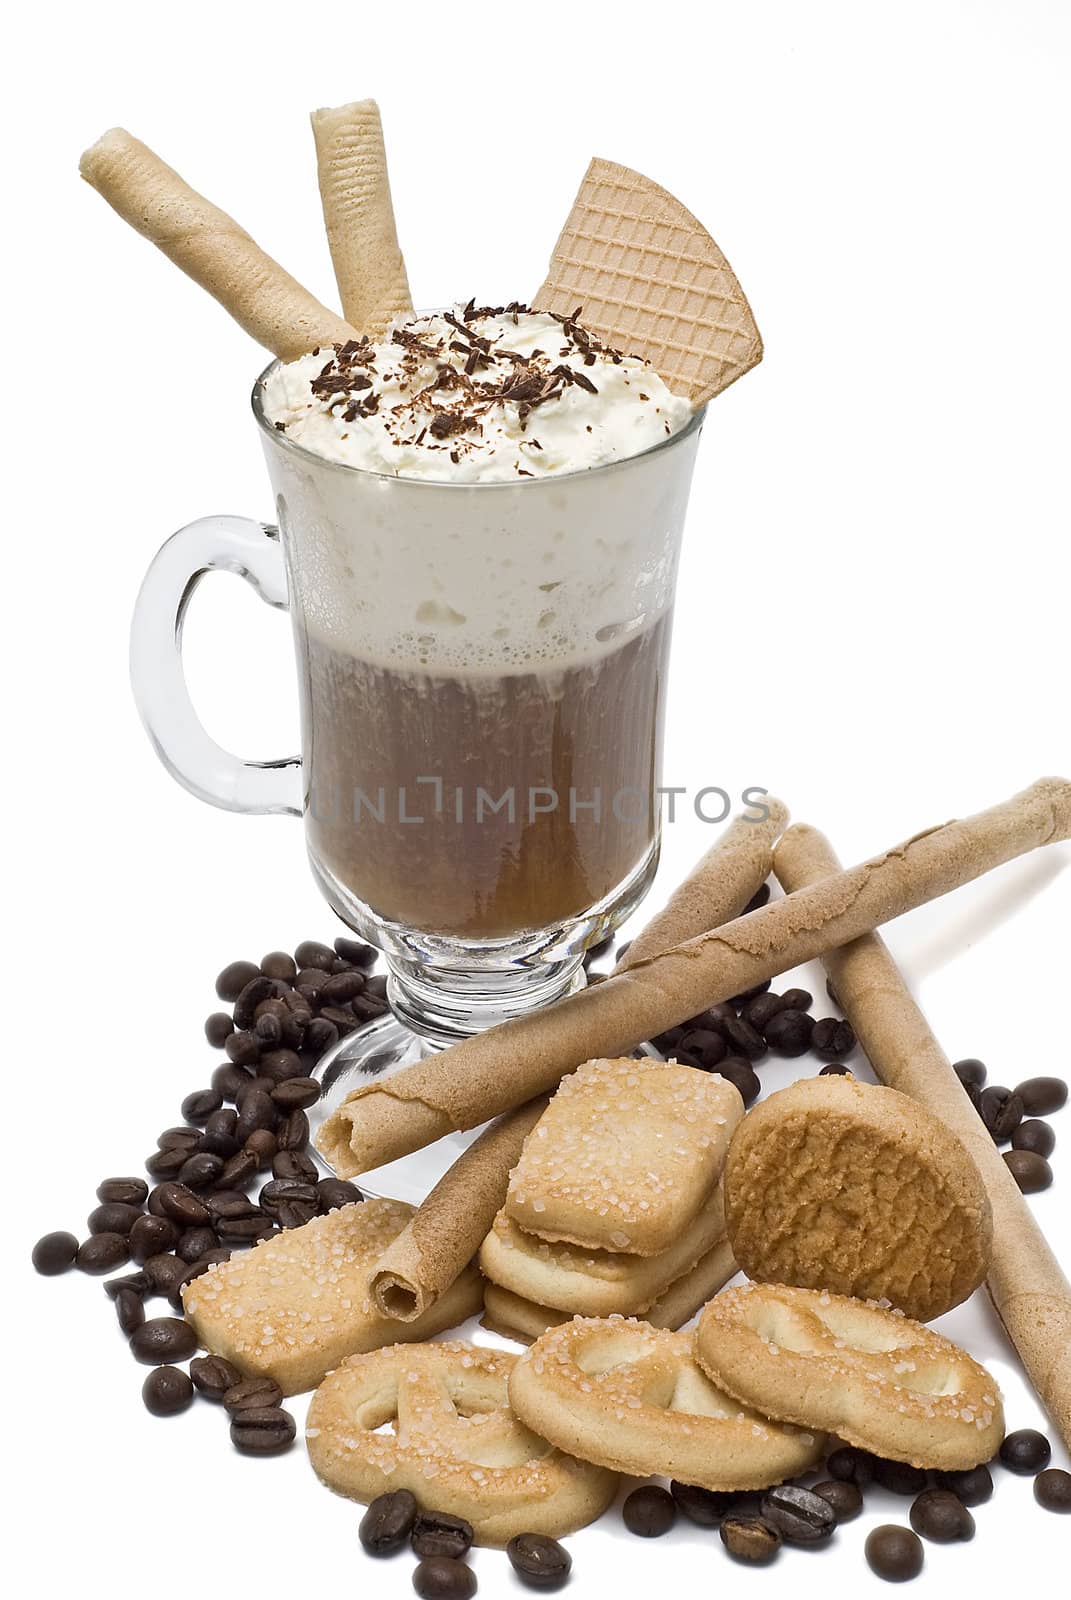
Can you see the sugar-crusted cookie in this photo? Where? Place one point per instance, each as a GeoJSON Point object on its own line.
{"type": "Point", "coordinates": [624, 1155]}
{"type": "Point", "coordinates": [595, 1283]}
{"type": "Point", "coordinates": [875, 1377]}
{"type": "Point", "coordinates": [292, 1307]}
{"type": "Point", "coordinates": [456, 1446]}
{"type": "Point", "coordinates": [515, 1317]}
{"type": "Point", "coordinates": [633, 1398]}
{"type": "Point", "coordinates": [845, 1186]}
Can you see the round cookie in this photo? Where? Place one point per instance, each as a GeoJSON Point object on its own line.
{"type": "Point", "coordinates": [873, 1377]}
{"type": "Point", "coordinates": [839, 1185]}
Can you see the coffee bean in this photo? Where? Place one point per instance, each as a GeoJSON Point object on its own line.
{"type": "Point", "coordinates": [894, 1553]}
{"type": "Point", "coordinates": [201, 1170]}
{"type": "Point", "coordinates": [972, 1486]}
{"type": "Point", "coordinates": [296, 1094]}
{"type": "Point", "coordinates": [223, 1121]}
{"type": "Point", "coordinates": [195, 1243]}
{"type": "Point", "coordinates": [738, 1001]}
{"type": "Point", "coordinates": [844, 1498]}
{"type": "Point", "coordinates": [436, 1533]}
{"type": "Point", "coordinates": [293, 1132]}
{"type": "Point", "coordinates": [539, 1561]}
{"type": "Point", "coordinates": [310, 953]}
{"type": "Point", "coordinates": [199, 1106]}
{"type": "Point", "coordinates": [123, 1191]}
{"type": "Point", "coordinates": [1031, 1172]}
{"type": "Point", "coordinates": [279, 1066]}
{"type": "Point", "coordinates": [320, 1036]}
{"type": "Point", "coordinates": [54, 1253]}
{"type": "Point", "coordinates": [899, 1477]}
{"type": "Point", "coordinates": [704, 1507]}
{"type": "Point", "coordinates": [1042, 1096]}
{"type": "Point", "coordinates": [649, 1511]}
{"type": "Point", "coordinates": [797, 1000]}
{"type": "Point", "coordinates": [685, 1058]}
{"type": "Point", "coordinates": [974, 1095]}
{"type": "Point", "coordinates": [833, 1038]}
{"type": "Point", "coordinates": [139, 1282]}
{"type": "Point", "coordinates": [223, 1145]}
{"type": "Point", "coordinates": [970, 1071]}
{"type": "Point", "coordinates": [358, 955]}
{"type": "Point", "coordinates": [268, 1027]}
{"type": "Point", "coordinates": [1025, 1451]}
{"type": "Point", "coordinates": [248, 1392]}
{"type": "Point", "coordinates": [941, 1516]}
{"type": "Point", "coordinates": [255, 1110]}
{"type": "Point", "coordinates": [1052, 1489]}
{"type": "Point", "coordinates": [835, 1069]}
{"type": "Point", "coordinates": [790, 1032]}
{"type": "Point", "coordinates": [245, 1006]}
{"type": "Point", "coordinates": [229, 1203]}
{"type": "Point", "coordinates": [343, 1022]}
{"type": "Point", "coordinates": [280, 1190]}
{"type": "Point", "coordinates": [292, 1164]}
{"type": "Point", "coordinates": [228, 1079]}
{"type": "Point", "coordinates": [181, 1204]}
{"type": "Point", "coordinates": [184, 1138]}
{"type": "Point", "coordinates": [239, 1170]}
{"type": "Point", "coordinates": [740, 1073]}
{"type": "Point", "coordinates": [278, 964]}
{"type": "Point", "coordinates": [165, 1164]}
{"type": "Point", "coordinates": [764, 1006]}
{"type": "Point", "coordinates": [212, 1376]}
{"type": "Point", "coordinates": [370, 1005]}
{"type": "Point", "coordinates": [388, 1522]}
{"type": "Point", "coordinates": [218, 1029]}
{"type": "Point", "coordinates": [758, 899]}
{"type": "Point", "coordinates": [342, 988]}
{"type": "Point", "coordinates": [309, 982]}
{"type": "Point", "coordinates": [262, 1430]}
{"type": "Point", "coordinates": [103, 1252]}
{"type": "Point", "coordinates": [167, 1391]}
{"type": "Point", "coordinates": [195, 1269]}
{"type": "Point", "coordinates": [163, 1339]}
{"type": "Point", "coordinates": [243, 1049]}
{"type": "Point", "coordinates": [164, 1271]}
{"type": "Point", "coordinates": [1002, 1111]}
{"type": "Point", "coordinates": [849, 1465]}
{"type": "Point", "coordinates": [129, 1310]}
{"type": "Point", "coordinates": [1035, 1136]}
{"type": "Point", "coordinates": [245, 1230]}
{"type": "Point", "coordinates": [233, 979]}
{"type": "Point", "coordinates": [333, 1193]}
{"type": "Point", "coordinates": [799, 1515]}
{"type": "Point", "coordinates": [750, 1539]}
{"type": "Point", "coordinates": [113, 1217]}
{"type": "Point", "coordinates": [262, 1144]}
{"type": "Point", "coordinates": [439, 1578]}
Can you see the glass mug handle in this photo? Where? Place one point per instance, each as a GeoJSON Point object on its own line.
{"type": "Point", "coordinates": [213, 544]}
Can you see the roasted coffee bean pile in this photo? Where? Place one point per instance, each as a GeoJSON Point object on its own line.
{"type": "Point", "coordinates": [756, 1525]}
{"type": "Point", "coordinates": [441, 1542]}
{"type": "Point", "coordinates": [248, 1127]}
{"type": "Point", "coordinates": [1015, 1117]}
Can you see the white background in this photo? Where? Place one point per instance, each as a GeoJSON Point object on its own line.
{"type": "Point", "coordinates": [873, 615]}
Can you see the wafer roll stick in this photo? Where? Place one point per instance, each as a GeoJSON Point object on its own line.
{"type": "Point", "coordinates": [210, 247]}
{"type": "Point", "coordinates": [359, 216]}
{"type": "Point", "coordinates": [451, 1224]}
{"type": "Point", "coordinates": [718, 887]}
{"type": "Point", "coordinates": [1030, 1292]}
{"type": "Point", "coordinates": [446, 1231]}
{"type": "Point", "coordinates": [483, 1076]}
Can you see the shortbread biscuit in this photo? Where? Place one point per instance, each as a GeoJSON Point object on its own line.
{"type": "Point", "coordinates": [456, 1444]}
{"type": "Point", "coordinates": [839, 1185]}
{"type": "Point", "coordinates": [632, 1398]}
{"type": "Point", "coordinates": [295, 1305]}
{"type": "Point", "coordinates": [514, 1317]}
{"type": "Point", "coordinates": [595, 1283]}
{"type": "Point", "coordinates": [624, 1155]}
{"type": "Point", "coordinates": [875, 1377]}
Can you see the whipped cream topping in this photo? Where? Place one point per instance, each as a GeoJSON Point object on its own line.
{"type": "Point", "coordinates": [488, 394]}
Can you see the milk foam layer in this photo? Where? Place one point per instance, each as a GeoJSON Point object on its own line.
{"type": "Point", "coordinates": [474, 395]}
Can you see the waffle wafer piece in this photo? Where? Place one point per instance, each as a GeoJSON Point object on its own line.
{"type": "Point", "coordinates": [359, 216]}
{"type": "Point", "coordinates": [456, 1444]}
{"type": "Point", "coordinates": [595, 1283]}
{"type": "Point", "coordinates": [839, 1185]}
{"type": "Point", "coordinates": [876, 1378]}
{"type": "Point", "coordinates": [295, 1305]}
{"type": "Point", "coordinates": [651, 281]}
{"type": "Point", "coordinates": [624, 1155]}
{"type": "Point", "coordinates": [632, 1398]}
{"type": "Point", "coordinates": [515, 1317]}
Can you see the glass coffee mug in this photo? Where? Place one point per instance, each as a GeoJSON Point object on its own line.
{"type": "Point", "coordinates": [482, 671]}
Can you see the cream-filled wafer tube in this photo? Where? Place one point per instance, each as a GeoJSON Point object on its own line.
{"type": "Point", "coordinates": [485, 1075]}
{"type": "Point", "coordinates": [718, 887]}
{"type": "Point", "coordinates": [1026, 1284]}
{"type": "Point", "coordinates": [210, 247]}
{"type": "Point", "coordinates": [359, 215]}
{"type": "Point", "coordinates": [446, 1231]}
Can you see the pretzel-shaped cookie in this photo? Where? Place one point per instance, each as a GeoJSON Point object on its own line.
{"type": "Point", "coordinates": [456, 1444]}
{"type": "Point", "coordinates": [873, 1376]}
{"type": "Point", "coordinates": [632, 1398]}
